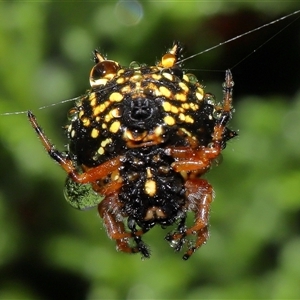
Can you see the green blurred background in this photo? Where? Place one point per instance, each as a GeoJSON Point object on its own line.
{"type": "Point", "coordinates": [50, 251]}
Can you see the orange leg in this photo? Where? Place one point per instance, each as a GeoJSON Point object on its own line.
{"type": "Point", "coordinates": [90, 175]}
{"type": "Point", "coordinates": [110, 211]}
{"type": "Point", "coordinates": [110, 207]}
{"type": "Point", "coordinates": [199, 158]}
{"type": "Point", "coordinates": [199, 196]}
{"type": "Point", "coordinates": [188, 159]}
{"type": "Point", "coordinates": [195, 160]}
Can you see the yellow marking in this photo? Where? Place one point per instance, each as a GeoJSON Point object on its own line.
{"type": "Point", "coordinates": [168, 60]}
{"type": "Point", "coordinates": [116, 97]}
{"type": "Point", "coordinates": [153, 89]}
{"type": "Point", "coordinates": [120, 72]}
{"type": "Point", "coordinates": [96, 156]}
{"type": "Point", "coordinates": [101, 150]}
{"type": "Point", "coordinates": [186, 118]}
{"type": "Point", "coordinates": [149, 173]}
{"type": "Point", "coordinates": [73, 133]}
{"type": "Point", "coordinates": [158, 131]}
{"type": "Point", "coordinates": [97, 119]}
{"type": "Point", "coordinates": [180, 97]}
{"type": "Point", "coordinates": [150, 184]}
{"type": "Point", "coordinates": [107, 118]}
{"type": "Point", "coordinates": [183, 86]}
{"type": "Point", "coordinates": [156, 76]}
{"type": "Point", "coordinates": [115, 175]}
{"type": "Point", "coordinates": [165, 92]}
{"type": "Point", "coordinates": [116, 113]}
{"type": "Point", "coordinates": [181, 117]}
{"type": "Point", "coordinates": [120, 80]}
{"type": "Point", "coordinates": [104, 126]}
{"type": "Point", "coordinates": [149, 215]}
{"type": "Point", "coordinates": [185, 106]}
{"type": "Point", "coordinates": [154, 213]}
{"type": "Point", "coordinates": [102, 107]}
{"type": "Point", "coordinates": [85, 121]}
{"type": "Point", "coordinates": [185, 131]}
{"type": "Point", "coordinates": [95, 133]}
{"type": "Point", "coordinates": [137, 77]}
{"type": "Point", "coordinates": [126, 89]}
{"type": "Point", "coordinates": [105, 142]}
{"type": "Point", "coordinates": [174, 109]}
{"type": "Point", "coordinates": [184, 174]}
{"type": "Point", "coordinates": [166, 106]}
{"type": "Point", "coordinates": [114, 127]}
{"type": "Point", "coordinates": [81, 113]}
{"type": "Point", "coordinates": [194, 106]}
{"type": "Point", "coordinates": [169, 120]}
{"type": "Point", "coordinates": [200, 94]}
{"type": "Point", "coordinates": [186, 78]}
{"type": "Point", "coordinates": [168, 76]}
{"type": "Point", "coordinates": [97, 110]}
{"type": "Point", "coordinates": [189, 119]}
{"type": "Point", "coordinates": [129, 135]}
{"type": "Point", "coordinates": [93, 99]}
{"type": "Point", "coordinates": [150, 187]}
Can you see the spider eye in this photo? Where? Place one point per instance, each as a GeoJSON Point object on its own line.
{"type": "Point", "coordinates": [103, 71]}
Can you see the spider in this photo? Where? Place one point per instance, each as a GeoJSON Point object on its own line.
{"type": "Point", "coordinates": [139, 142]}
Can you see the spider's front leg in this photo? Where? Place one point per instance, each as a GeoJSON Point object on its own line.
{"type": "Point", "coordinates": [89, 175]}
{"type": "Point", "coordinates": [110, 207]}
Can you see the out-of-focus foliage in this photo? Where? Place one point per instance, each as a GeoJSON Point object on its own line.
{"type": "Point", "coordinates": [50, 251]}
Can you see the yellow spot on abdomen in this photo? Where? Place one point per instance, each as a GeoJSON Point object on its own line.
{"type": "Point", "coordinates": [169, 120]}
{"type": "Point", "coordinates": [166, 106]}
{"type": "Point", "coordinates": [174, 109]}
{"type": "Point", "coordinates": [85, 121]}
{"type": "Point", "coordinates": [181, 117]}
{"type": "Point", "coordinates": [95, 133]}
{"type": "Point", "coordinates": [116, 97]}
{"type": "Point", "coordinates": [150, 187]}
{"type": "Point", "coordinates": [101, 150]}
{"type": "Point", "coordinates": [185, 106]}
{"type": "Point", "coordinates": [200, 94]}
{"type": "Point", "coordinates": [114, 127]}
{"type": "Point", "coordinates": [180, 97]}
{"type": "Point", "coordinates": [93, 99]}
{"type": "Point", "coordinates": [168, 76]}
{"type": "Point", "coordinates": [183, 86]}
{"type": "Point", "coordinates": [165, 92]}
{"type": "Point", "coordinates": [189, 119]}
